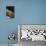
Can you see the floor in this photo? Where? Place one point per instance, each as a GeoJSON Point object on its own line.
{"type": "Point", "coordinates": [30, 43]}
{"type": "Point", "coordinates": [7, 45]}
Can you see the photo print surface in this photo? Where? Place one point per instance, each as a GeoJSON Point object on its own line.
{"type": "Point", "coordinates": [10, 11]}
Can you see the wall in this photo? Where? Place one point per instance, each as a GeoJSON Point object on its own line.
{"type": "Point", "coordinates": [31, 11]}
{"type": "Point", "coordinates": [7, 25]}
{"type": "Point", "coordinates": [26, 12]}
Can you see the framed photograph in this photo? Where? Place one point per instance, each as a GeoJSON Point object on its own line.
{"type": "Point", "coordinates": [10, 11]}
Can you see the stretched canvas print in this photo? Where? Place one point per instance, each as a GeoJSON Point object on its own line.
{"type": "Point", "coordinates": [28, 33]}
